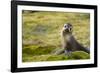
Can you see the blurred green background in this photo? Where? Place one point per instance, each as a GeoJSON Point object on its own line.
{"type": "Point", "coordinates": [41, 34]}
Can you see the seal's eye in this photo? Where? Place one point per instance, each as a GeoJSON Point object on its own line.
{"type": "Point", "coordinates": [65, 26]}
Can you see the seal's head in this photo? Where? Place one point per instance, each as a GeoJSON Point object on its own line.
{"type": "Point", "coordinates": [67, 27]}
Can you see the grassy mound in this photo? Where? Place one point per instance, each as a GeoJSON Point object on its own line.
{"type": "Point", "coordinates": [36, 54]}
{"type": "Point", "coordinates": [79, 55]}
{"type": "Point", "coordinates": [45, 58]}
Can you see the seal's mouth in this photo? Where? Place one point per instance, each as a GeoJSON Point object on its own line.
{"type": "Point", "coordinates": [67, 29]}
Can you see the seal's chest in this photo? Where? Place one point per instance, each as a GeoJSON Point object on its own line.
{"type": "Point", "coordinates": [68, 37]}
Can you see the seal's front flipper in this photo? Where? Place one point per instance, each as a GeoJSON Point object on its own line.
{"type": "Point", "coordinates": [68, 53]}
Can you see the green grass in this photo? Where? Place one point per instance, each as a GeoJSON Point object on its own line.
{"type": "Point", "coordinates": [78, 55]}
{"type": "Point", "coordinates": [45, 58]}
{"type": "Point", "coordinates": [41, 35]}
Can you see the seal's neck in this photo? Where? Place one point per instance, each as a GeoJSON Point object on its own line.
{"type": "Point", "coordinates": [67, 36]}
